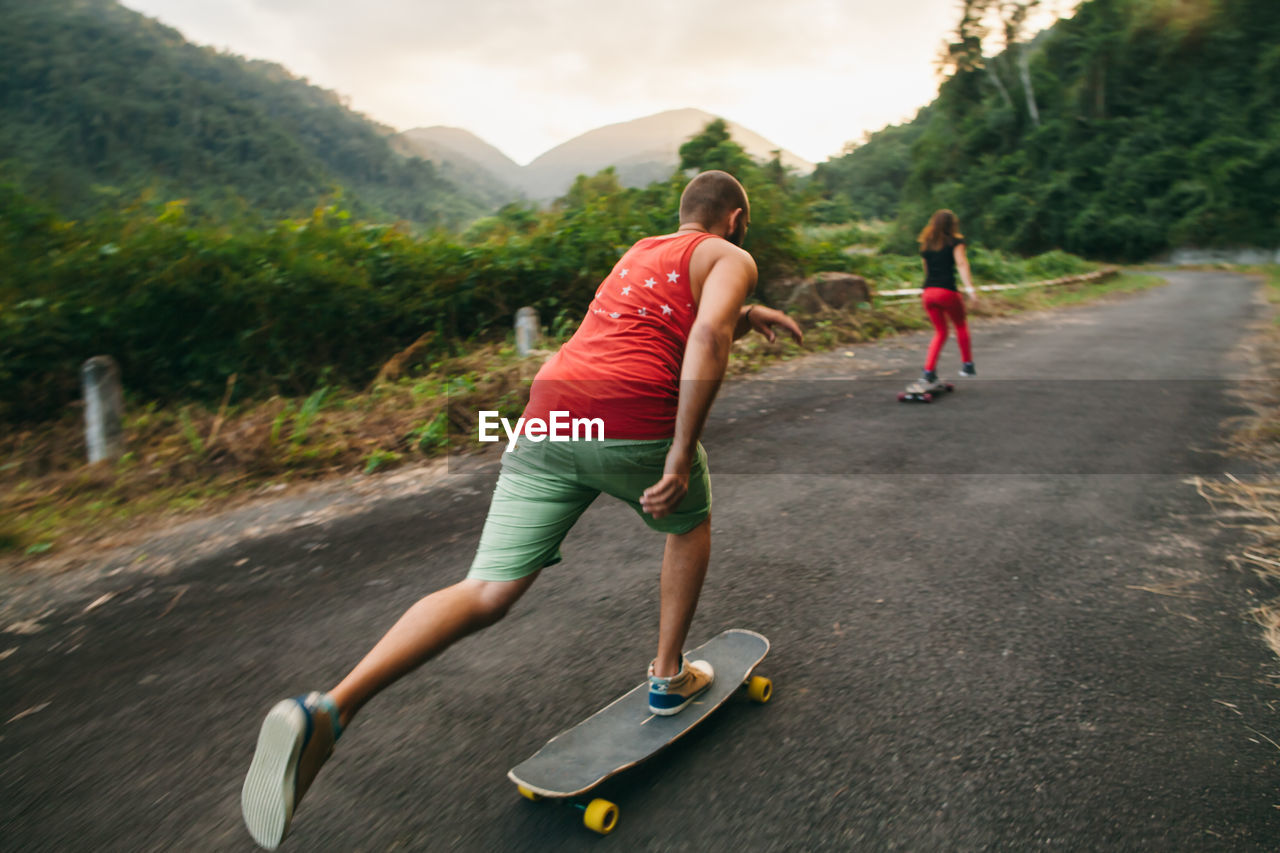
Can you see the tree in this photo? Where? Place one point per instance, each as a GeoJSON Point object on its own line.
{"type": "Point", "coordinates": [967, 52]}
{"type": "Point", "coordinates": [1015, 20]}
{"type": "Point", "coordinates": [714, 149]}
{"type": "Point", "coordinates": [774, 195]}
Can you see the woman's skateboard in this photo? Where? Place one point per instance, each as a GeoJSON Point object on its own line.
{"type": "Point", "coordinates": [924, 392]}
{"type": "Point", "coordinates": [624, 733]}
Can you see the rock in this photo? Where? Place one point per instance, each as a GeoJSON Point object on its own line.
{"type": "Point", "coordinates": [842, 290]}
{"type": "Point", "coordinates": [825, 291]}
{"type": "Point", "coordinates": [778, 291]}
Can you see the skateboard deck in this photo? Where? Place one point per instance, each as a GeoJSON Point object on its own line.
{"type": "Point", "coordinates": [625, 733]}
{"type": "Point", "coordinates": [922, 392]}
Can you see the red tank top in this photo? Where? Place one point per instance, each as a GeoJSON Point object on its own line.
{"type": "Point", "coordinates": [622, 365]}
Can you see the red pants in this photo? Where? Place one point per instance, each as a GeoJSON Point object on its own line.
{"type": "Point", "coordinates": [940, 304]}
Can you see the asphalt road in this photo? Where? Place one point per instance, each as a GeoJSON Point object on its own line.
{"type": "Point", "coordinates": [1003, 621]}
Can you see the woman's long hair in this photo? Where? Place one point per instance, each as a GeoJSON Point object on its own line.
{"type": "Point", "coordinates": [942, 231]}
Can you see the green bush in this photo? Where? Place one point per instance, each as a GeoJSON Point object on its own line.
{"type": "Point", "coordinates": [182, 303]}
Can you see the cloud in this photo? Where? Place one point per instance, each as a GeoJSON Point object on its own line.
{"type": "Point", "coordinates": [809, 74]}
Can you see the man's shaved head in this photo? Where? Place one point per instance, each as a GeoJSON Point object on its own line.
{"type": "Point", "coordinates": [711, 197]}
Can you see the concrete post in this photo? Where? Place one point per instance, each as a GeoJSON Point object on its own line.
{"type": "Point", "coordinates": [103, 408]}
{"type": "Point", "coordinates": [527, 330]}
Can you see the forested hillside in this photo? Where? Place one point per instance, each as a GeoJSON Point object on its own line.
{"type": "Point", "coordinates": [99, 103]}
{"type": "Point", "coordinates": [1133, 127]}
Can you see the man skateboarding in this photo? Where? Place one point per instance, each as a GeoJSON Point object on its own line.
{"type": "Point", "coordinates": [647, 361]}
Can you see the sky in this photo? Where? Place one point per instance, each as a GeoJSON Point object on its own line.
{"type": "Point", "coordinates": [527, 75]}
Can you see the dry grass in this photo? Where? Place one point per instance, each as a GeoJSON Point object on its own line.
{"type": "Point", "coordinates": [1254, 506]}
{"type": "Point", "coordinates": [191, 458]}
{"type": "Point", "coordinates": [194, 458]}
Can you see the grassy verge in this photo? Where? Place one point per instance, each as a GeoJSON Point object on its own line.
{"type": "Point", "coordinates": [1254, 505]}
{"type": "Point", "coordinates": [193, 458]}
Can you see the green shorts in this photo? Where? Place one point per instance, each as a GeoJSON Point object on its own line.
{"type": "Point", "coordinates": [545, 486]}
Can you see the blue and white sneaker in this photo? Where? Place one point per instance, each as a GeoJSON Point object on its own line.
{"type": "Point", "coordinates": [669, 696]}
{"type": "Point", "coordinates": [296, 739]}
{"type": "Point", "coordinates": [967, 369]}
{"type": "Point", "coordinates": [929, 377]}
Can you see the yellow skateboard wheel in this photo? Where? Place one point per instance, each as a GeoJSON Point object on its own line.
{"type": "Point", "coordinates": [601, 816]}
{"type": "Point", "coordinates": [527, 794]}
{"type": "Point", "coordinates": [759, 689]}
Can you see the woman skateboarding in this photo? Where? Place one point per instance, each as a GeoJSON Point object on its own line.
{"type": "Point", "coordinates": [942, 253]}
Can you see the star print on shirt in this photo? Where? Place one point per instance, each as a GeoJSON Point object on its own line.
{"type": "Point", "coordinates": [626, 291]}
{"type": "Point", "coordinates": [649, 282]}
{"type": "Point", "coordinates": [666, 309]}
{"type": "Point", "coordinates": [614, 314]}
{"type": "Point", "coordinates": [642, 312]}
{"type": "Point", "coordinates": [623, 274]}
{"type": "Point", "coordinates": [672, 276]}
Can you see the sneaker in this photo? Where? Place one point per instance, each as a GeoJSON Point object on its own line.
{"type": "Point", "coordinates": [669, 696]}
{"type": "Point", "coordinates": [296, 738]}
{"type": "Point", "coordinates": [967, 369]}
{"type": "Point", "coordinates": [929, 377]}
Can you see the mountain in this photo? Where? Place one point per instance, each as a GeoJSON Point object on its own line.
{"type": "Point", "coordinates": [643, 150]}
{"type": "Point", "coordinates": [99, 104]}
{"type": "Point", "coordinates": [466, 160]}
{"type": "Point", "coordinates": [456, 142]}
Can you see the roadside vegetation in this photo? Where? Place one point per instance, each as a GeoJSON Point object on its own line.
{"type": "Point", "coordinates": [1253, 504]}
{"type": "Point", "coordinates": [257, 353]}
{"type": "Point", "coordinates": [196, 455]}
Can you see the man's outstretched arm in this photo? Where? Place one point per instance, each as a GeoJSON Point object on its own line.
{"type": "Point", "coordinates": [762, 318]}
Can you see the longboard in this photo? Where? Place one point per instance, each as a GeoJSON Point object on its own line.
{"type": "Point", "coordinates": [625, 733]}
{"type": "Point", "coordinates": [922, 392]}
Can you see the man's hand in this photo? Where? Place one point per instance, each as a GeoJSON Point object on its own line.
{"type": "Point", "coordinates": [763, 319]}
{"type": "Point", "coordinates": [662, 498]}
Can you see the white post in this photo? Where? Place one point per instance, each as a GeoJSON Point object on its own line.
{"type": "Point", "coordinates": [527, 330]}
{"type": "Point", "coordinates": [103, 408]}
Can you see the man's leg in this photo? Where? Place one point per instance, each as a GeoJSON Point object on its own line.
{"type": "Point", "coordinates": [530, 513]}
{"type": "Point", "coordinates": [624, 470]}
{"type": "Point", "coordinates": [298, 734]}
{"type": "Point", "coordinates": [534, 505]}
{"type": "Point", "coordinates": [684, 566]}
{"type": "Point", "coordinates": [427, 628]}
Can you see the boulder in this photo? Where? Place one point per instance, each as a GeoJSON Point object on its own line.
{"type": "Point", "coordinates": [842, 290]}
{"type": "Point", "coordinates": [825, 291]}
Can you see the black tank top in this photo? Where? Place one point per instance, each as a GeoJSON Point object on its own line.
{"type": "Point", "coordinates": [941, 266]}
